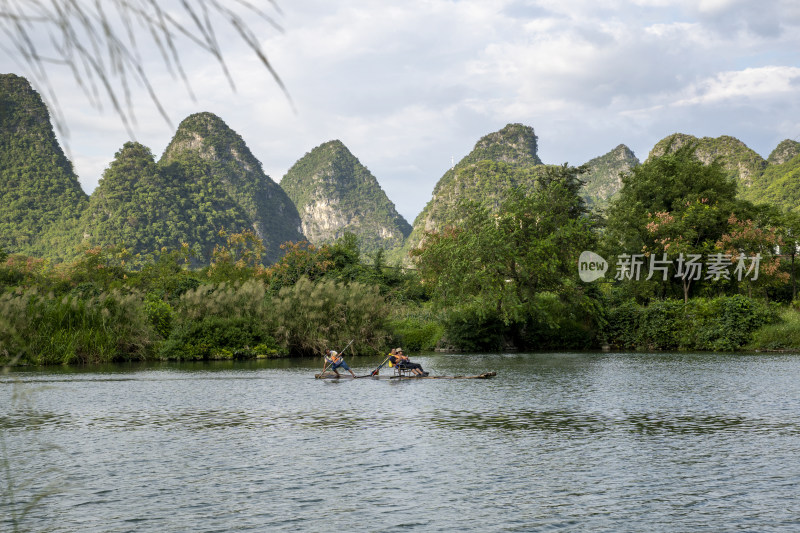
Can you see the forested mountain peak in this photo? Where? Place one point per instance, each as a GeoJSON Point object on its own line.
{"type": "Point", "coordinates": [335, 194]}
{"type": "Point", "coordinates": [739, 161]}
{"type": "Point", "coordinates": [603, 180]}
{"type": "Point", "coordinates": [132, 163]}
{"type": "Point", "coordinates": [23, 108]}
{"type": "Point", "coordinates": [204, 145]}
{"type": "Point", "coordinates": [499, 162]}
{"type": "Point", "coordinates": [515, 144]}
{"type": "Point", "coordinates": [39, 191]}
{"type": "Point", "coordinates": [211, 138]}
{"type": "Point", "coordinates": [788, 149]}
{"type": "Point", "coordinates": [145, 206]}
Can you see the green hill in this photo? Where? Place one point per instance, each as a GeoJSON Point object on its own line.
{"type": "Point", "coordinates": [40, 196]}
{"type": "Point", "coordinates": [778, 186]}
{"type": "Point", "coordinates": [144, 206]}
{"type": "Point", "coordinates": [739, 161]}
{"type": "Point", "coordinates": [207, 148]}
{"type": "Point", "coordinates": [775, 181]}
{"type": "Point", "coordinates": [603, 180]}
{"type": "Point", "coordinates": [785, 151]}
{"type": "Point", "coordinates": [500, 161]}
{"type": "Point", "coordinates": [334, 193]}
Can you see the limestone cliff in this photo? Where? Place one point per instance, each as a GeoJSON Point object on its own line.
{"type": "Point", "coordinates": [785, 151]}
{"type": "Point", "coordinates": [604, 178]}
{"type": "Point", "coordinates": [334, 194]}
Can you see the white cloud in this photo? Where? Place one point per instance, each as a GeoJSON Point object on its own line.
{"type": "Point", "coordinates": [746, 85]}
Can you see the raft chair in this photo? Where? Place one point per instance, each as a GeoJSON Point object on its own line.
{"type": "Point", "coordinates": [400, 370]}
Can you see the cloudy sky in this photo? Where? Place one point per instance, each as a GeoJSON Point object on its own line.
{"type": "Point", "coordinates": [410, 85]}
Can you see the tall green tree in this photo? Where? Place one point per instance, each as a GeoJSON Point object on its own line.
{"type": "Point", "coordinates": [673, 183]}
{"type": "Point", "coordinates": [677, 214]}
{"type": "Point", "coordinates": [790, 226]}
{"type": "Point", "coordinates": [502, 261]}
{"type": "Point", "coordinates": [672, 204]}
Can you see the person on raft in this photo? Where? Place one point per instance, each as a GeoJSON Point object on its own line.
{"type": "Point", "coordinates": [400, 360]}
{"type": "Point", "coordinates": [336, 360]}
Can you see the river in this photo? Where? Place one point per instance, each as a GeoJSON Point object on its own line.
{"type": "Point", "coordinates": [556, 442]}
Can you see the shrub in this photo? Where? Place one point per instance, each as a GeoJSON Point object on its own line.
{"type": "Point", "coordinates": [782, 335]}
{"type": "Point", "coordinates": [312, 316]}
{"type": "Point", "coordinates": [159, 315]}
{"type": "Point", "coordinates": [725, 323]}
{"type": "Point", "coordinates": [45, 329]}
{"type": "Point", "coordinates": [662, 325]}
{"type": "Point", "coordinates": [220, 321]}
{"type": "Point", "coordinates": [415, 334]}
{"type": "Point", "coordinates": [623, 325]}
{"type": "Point", "coordinates": [730, 322]}
{"type": "Point", "coordinates": [473, 330]}
{"type": "Point", "coordinates": [218, 337]}
{"type": "Point", "coordinates": [560, 323]}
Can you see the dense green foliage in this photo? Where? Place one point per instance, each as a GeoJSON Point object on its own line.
{"type": "Point", "coordinates": [509, 273]}
{"type": "Point", "coordinates": [312, 316]}
{"type": "Point", "coordinates": [336, 194]}
{"type": "Point", "coordinates": [73, 328]}
{"type": "Point", "coordinates": [206, 182]}
{"type": "Point", "coordinates": [416, 334]}
{"type": "Point", "coordinates": [99, 309]}
{"type": "Point", "coordinates": [208, 151]}
{"type": "Point", "coordinates": [39, 193]}
{"type": "Point", "coordinates": [783, 334]}
{"type": "Point", "coordinates": [145, 207]}
{"type": "Point", "coordinates": [674, 207]}
{"type": "Point", "coordinates": [221, 321]}
{"type": "Point", "coordinates": [779, 186]}
{"type": "Point", "coordinates": [674, 183]}
{"type": "Point", "coordinates": [724, 323]}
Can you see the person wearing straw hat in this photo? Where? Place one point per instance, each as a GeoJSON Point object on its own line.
{"type": "Point", "coordinates": [336, 360]}
{"type": "Point", "coordinates": [401, 360]}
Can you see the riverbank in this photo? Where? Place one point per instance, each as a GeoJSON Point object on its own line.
{"type": "Point", "coordinates": [98, 310]}
{"type": "Point", "coordinates": [241, 321]}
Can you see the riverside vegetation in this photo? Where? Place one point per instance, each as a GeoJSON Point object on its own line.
{"type": "Point", "coordinates": [498, 278]}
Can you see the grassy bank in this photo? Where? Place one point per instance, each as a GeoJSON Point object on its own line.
{"type": "Point", "coordinates": [213, 321]}
{"type": "Point", "coordinates": [783, 335]}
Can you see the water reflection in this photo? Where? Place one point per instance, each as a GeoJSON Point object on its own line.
{"type": "Point", "coordinates": [554, 421]}
{"type": "Point", "coordinates": [578, 423]}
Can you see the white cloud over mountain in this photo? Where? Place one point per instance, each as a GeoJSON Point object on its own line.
{"type": "Point", "coordinates": [408, 85]}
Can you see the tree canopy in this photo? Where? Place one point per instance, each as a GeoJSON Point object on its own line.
{"type": "Point", "coordinates": [503, 261]}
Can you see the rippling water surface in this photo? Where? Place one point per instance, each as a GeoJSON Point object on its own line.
{"type": "Point", "coordinates": [573, 442]}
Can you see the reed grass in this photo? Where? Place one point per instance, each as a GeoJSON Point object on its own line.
{"type": "Point", "coordinates": [310, 317]}
{"type": "Point", "coordinates": [783, 335]}
{"type": "Point", "coordinates": [46, 329]}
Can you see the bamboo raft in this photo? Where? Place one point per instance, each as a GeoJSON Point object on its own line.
{"type": "Point", "coordinates": [331, 375]}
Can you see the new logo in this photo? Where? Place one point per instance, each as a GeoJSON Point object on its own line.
{"type": "Point", "coordinates": [591, 266]}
